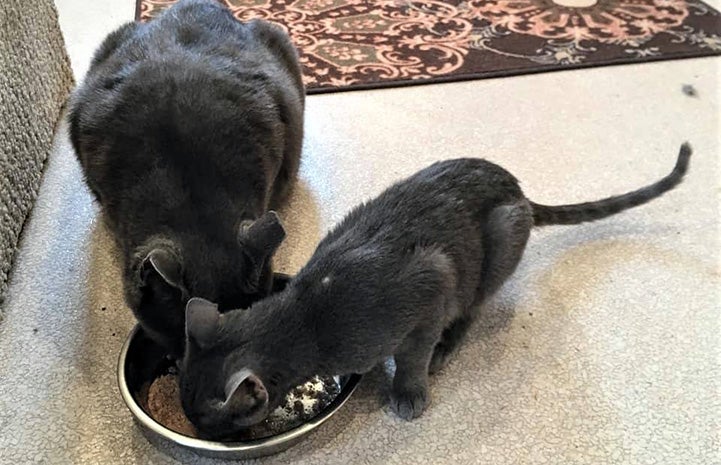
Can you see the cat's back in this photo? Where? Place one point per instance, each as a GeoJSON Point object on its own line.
{"type": "Point", "coordinates": [195, 29]}
{"type": "Point", "coordinates": [193, 55]}
{"type": "Point", "coordinates": [195, 99]}
{"type": "Point", "coordinates": [470, 179]}
{"type": "Point", "coordinates": [447, 196]}
{"type": "Point", "coordinates": [442, 208]}
{"type": "Point", "coordinates": [194, 68]}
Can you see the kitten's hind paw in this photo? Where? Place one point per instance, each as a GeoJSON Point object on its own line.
{"type": "Point", "coordinates": [409, 403]}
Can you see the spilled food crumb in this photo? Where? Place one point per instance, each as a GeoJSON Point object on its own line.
{"type": "Point", "coordinates": [302, 404]}
{"type": "Point", "coordinates": [689, 90]}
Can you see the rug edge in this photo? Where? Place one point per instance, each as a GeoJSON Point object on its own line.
{"type": "Point", "coordinates": [512, 72]}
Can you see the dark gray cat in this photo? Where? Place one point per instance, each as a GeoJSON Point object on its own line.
{"type": "Point", "coordinates": [188, 130]}
{"type": "Point", "coordinates": [401, 275]}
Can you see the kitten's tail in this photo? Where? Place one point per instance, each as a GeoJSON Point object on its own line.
{"type": "Point", "coordinates": [590, 211]}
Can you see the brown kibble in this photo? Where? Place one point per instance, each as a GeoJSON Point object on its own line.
{"type": "Point", "coordinates": [164, 405]}
{"type": "Point", "coordinates": [298, 407]}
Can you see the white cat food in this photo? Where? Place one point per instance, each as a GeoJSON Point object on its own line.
{"type": "Point", "coordinates": [302, 404]}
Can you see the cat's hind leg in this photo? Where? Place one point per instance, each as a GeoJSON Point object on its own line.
{"type": "Point", "coordinates": [504, 238]}
{"type": "Point", "coordinates": [451, 337]}
{"type": "Point", "coordinates": [286, 178]}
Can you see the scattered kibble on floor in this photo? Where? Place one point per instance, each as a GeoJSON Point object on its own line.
{"type": "Point", "coordinates": [689, 90]}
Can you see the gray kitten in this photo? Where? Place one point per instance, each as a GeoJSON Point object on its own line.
{"type": "Point", "coordinates": [188, 129]}
{"type": "Point", "coordinates": [401, 275]}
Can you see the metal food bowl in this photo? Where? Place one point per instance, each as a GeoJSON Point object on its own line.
{"type": "Point", "coordinates": [141, 361]}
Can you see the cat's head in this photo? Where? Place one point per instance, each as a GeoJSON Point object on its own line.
{"type": "Point", "coordinates": [225, 384]}
{"type": "Point", "coordinates": [164, 274]}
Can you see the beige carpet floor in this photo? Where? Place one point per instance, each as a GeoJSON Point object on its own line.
{"type": "Point", "coordinates": [603, 349]}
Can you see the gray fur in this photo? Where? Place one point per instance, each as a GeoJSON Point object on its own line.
{"type": "Point", "coordinates": [188, 129]}
{"type": "Point", "coordinates": [591, 211]}
{"type": "Point", "coordinates": [401, 276]}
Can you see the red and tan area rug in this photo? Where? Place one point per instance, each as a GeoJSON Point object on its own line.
{"type": "Point", "coordinates": [353, 44]}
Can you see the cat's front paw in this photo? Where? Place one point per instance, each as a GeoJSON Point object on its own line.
{"type": "Point", "coordinates": [439, 359]}
{"type": "Point", "coordinates": [409, 403]}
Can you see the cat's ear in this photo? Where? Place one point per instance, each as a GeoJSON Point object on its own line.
{"type": "Point", "coordinates": [164, 264]}
{"type": "Point", "coordinates": [262, 236]}
{"type": "Point", "coordinates": [202, 321]}
{"type": "Point", "coordinates": [245, 393]}
{"type": "Point", "coordinates": [259, 239]}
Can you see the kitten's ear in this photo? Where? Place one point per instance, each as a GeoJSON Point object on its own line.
{"type": "Point", "coordinates": [165, 264]}
{"type": "Point", "coordinates": [202, 321]}
{"type": "Point", "coordinates": [263, 235]}
{"type": "Point", "coordinates": [245, 393]}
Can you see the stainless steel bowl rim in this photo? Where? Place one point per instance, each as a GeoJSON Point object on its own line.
{"type": "Point", "coordinates": [257, 445]}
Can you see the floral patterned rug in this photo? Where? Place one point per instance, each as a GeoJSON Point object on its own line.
{"type": "Point", "coordinates": [353, 44]}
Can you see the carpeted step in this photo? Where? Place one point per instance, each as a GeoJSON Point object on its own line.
{"type": "Point", "coordinates": [35, 80]}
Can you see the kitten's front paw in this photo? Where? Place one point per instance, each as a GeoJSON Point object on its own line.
{"type": "Point", "coordinates": [409, 403]}
{"type": "Point", "coordinates": [440, 358]}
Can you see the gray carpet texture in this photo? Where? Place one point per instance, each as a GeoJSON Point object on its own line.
{"type": "Point", "coordinates": [35, 80]}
